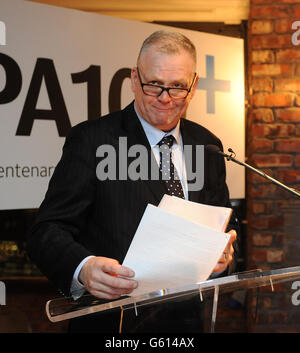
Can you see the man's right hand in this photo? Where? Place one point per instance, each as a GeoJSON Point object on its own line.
{"type": "Point", "coordinates": [104, 278]}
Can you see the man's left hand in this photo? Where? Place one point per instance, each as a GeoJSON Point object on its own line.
{"type": "Point", "coordinates": [227, 255]}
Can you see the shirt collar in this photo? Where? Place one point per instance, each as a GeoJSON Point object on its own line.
{"type": "Point", "coordinates": [154, 135]}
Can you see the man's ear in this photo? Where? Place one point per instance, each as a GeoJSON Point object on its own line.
{"type": "Point", "coordinates": [133, 79]}
{"type": "Point", "coordinates": [194, 86]}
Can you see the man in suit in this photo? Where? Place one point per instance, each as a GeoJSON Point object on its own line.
{"type": "Point", "coordinates": [85, 225]}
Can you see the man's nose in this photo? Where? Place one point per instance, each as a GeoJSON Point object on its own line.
{"type": "Point", "coordinates": [164, 97]}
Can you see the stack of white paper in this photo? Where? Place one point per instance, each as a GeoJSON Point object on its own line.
{"type": "Point", "coordinates": [172, 248]}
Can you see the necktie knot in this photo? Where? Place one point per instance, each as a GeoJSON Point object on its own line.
{"type": "Point", "coordinates": [167, 140]}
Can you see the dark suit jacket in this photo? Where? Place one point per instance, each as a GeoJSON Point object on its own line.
{"type": "Point", "coordinates": [83, 216]}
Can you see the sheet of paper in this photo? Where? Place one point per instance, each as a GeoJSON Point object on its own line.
{"type": "Point", "coordinates": [211, 216]}
{"type": "Point", "coordinates": [168, 251]}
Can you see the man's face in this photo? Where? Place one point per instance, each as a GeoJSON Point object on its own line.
{"type": "Point", "coordinates": [169, 70]}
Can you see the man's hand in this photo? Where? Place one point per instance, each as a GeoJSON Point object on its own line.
{"type": "Point", "coordinates": [101, 277]}
{"type": "Point", "coordinates": [227, 255]}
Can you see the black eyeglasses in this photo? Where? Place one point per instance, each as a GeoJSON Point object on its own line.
{"type": "Point", "coordinates": [156, 90]}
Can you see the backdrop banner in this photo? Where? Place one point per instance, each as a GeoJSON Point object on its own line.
{"type": "Point", "coordinates": [59, 67]}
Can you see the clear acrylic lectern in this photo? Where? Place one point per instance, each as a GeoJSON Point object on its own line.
{"type": "Point", "coordinates": [66, 308]}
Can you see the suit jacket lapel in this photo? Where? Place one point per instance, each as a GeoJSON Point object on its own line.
{"type": "Point", "coordinates": [189, 139]}
{"type": "Point", "coordinates": [136, 136]}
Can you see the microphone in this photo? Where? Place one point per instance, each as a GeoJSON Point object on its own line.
{"type": "Point", "coordinates": [215, 149]}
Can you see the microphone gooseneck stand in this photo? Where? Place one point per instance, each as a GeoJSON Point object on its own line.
{"type": "Point", "coordinates": [231, 157]}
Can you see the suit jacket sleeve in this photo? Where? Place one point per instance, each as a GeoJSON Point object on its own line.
{"type": "Point", "coordinates": [52, 241]}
